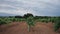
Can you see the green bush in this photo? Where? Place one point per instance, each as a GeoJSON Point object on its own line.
{"type": "Point", "coordinates": [2, 22]}
{"type": "Point", "coordinates": [57, 24]}
{"type": "Point", "coordinates": [43, 20]}
{"type": "Point", "coordinates": [30, 22]}
{"type": "Point", "coordinates": [52, 20]}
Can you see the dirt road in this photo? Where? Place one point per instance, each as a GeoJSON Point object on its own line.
{"type": "Point", "coordinates": [21, 28]}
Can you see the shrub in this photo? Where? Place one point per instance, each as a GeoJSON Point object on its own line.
{"type": "Point", "coordinates": [2, 22]}
{"type": "Point", "coordinates": [57, 24]}
{"type": "Point", "coordinates": [30, 22]}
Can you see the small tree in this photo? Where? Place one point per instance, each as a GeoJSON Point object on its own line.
{"type": "Point", "coordinates": [30, 22]}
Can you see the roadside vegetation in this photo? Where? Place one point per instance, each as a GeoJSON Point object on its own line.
{"type": "Point", "coordinates": [31, 20]}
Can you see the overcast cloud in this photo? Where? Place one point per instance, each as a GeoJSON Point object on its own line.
{"type": "Point", "coordinates": [36, 7]}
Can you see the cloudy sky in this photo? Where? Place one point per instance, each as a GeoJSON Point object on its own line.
{"type": "Point", "coordinates": [36, 7]}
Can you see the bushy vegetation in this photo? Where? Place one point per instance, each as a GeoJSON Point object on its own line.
{"type": "Point", "coordinates": [6, 20]}
{"type": "Point", "coordinates": [2, 22]}
{"type": "Point", "coordinates": [57, 24]}
{"type": "Point", "coordinates": [31, 20]}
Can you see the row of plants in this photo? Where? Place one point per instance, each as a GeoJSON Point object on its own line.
{"type": "Point", "coordinates": [9, 20]}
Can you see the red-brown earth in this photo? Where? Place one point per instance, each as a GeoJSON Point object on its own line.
{"type": "Point", "coordinates": [21, 28]}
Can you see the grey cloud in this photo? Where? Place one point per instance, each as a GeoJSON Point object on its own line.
{"type": "Point", "coordinates": [6, 14]}
{"type": "Point", "coordinates": [37, 6]}
{"type": "Point", "coordinates": [7, 8]}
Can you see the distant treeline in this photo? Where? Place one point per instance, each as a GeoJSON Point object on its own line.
{"type": "Point", "coordinates": [29, 14]}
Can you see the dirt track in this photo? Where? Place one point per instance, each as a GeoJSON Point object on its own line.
{"type": "Point", "coordinates": [21, 28]}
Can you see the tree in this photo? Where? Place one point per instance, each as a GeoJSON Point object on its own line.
{"type": "Point", "coordinates": [18, 17]}
{"type": "Point", "coordinates": [30, 23]}
{"type": "Point", "coordinates": [28, 15]}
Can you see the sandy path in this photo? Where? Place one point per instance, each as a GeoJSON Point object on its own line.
{"type": "Point", "coordinates": [21, 28]}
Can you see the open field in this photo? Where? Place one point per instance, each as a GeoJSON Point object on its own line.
{"type": "Point", "coordinates": [21, 28]}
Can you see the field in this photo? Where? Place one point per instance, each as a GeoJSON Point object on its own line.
{"type": "Point", "coordinates": [29, 25]}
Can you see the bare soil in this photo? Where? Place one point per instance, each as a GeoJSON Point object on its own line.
{"type": "Point", "coordinates": [21, 28]}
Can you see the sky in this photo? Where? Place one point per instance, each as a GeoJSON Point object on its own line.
{"type": "Point", "coordinates": [36, 7]}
